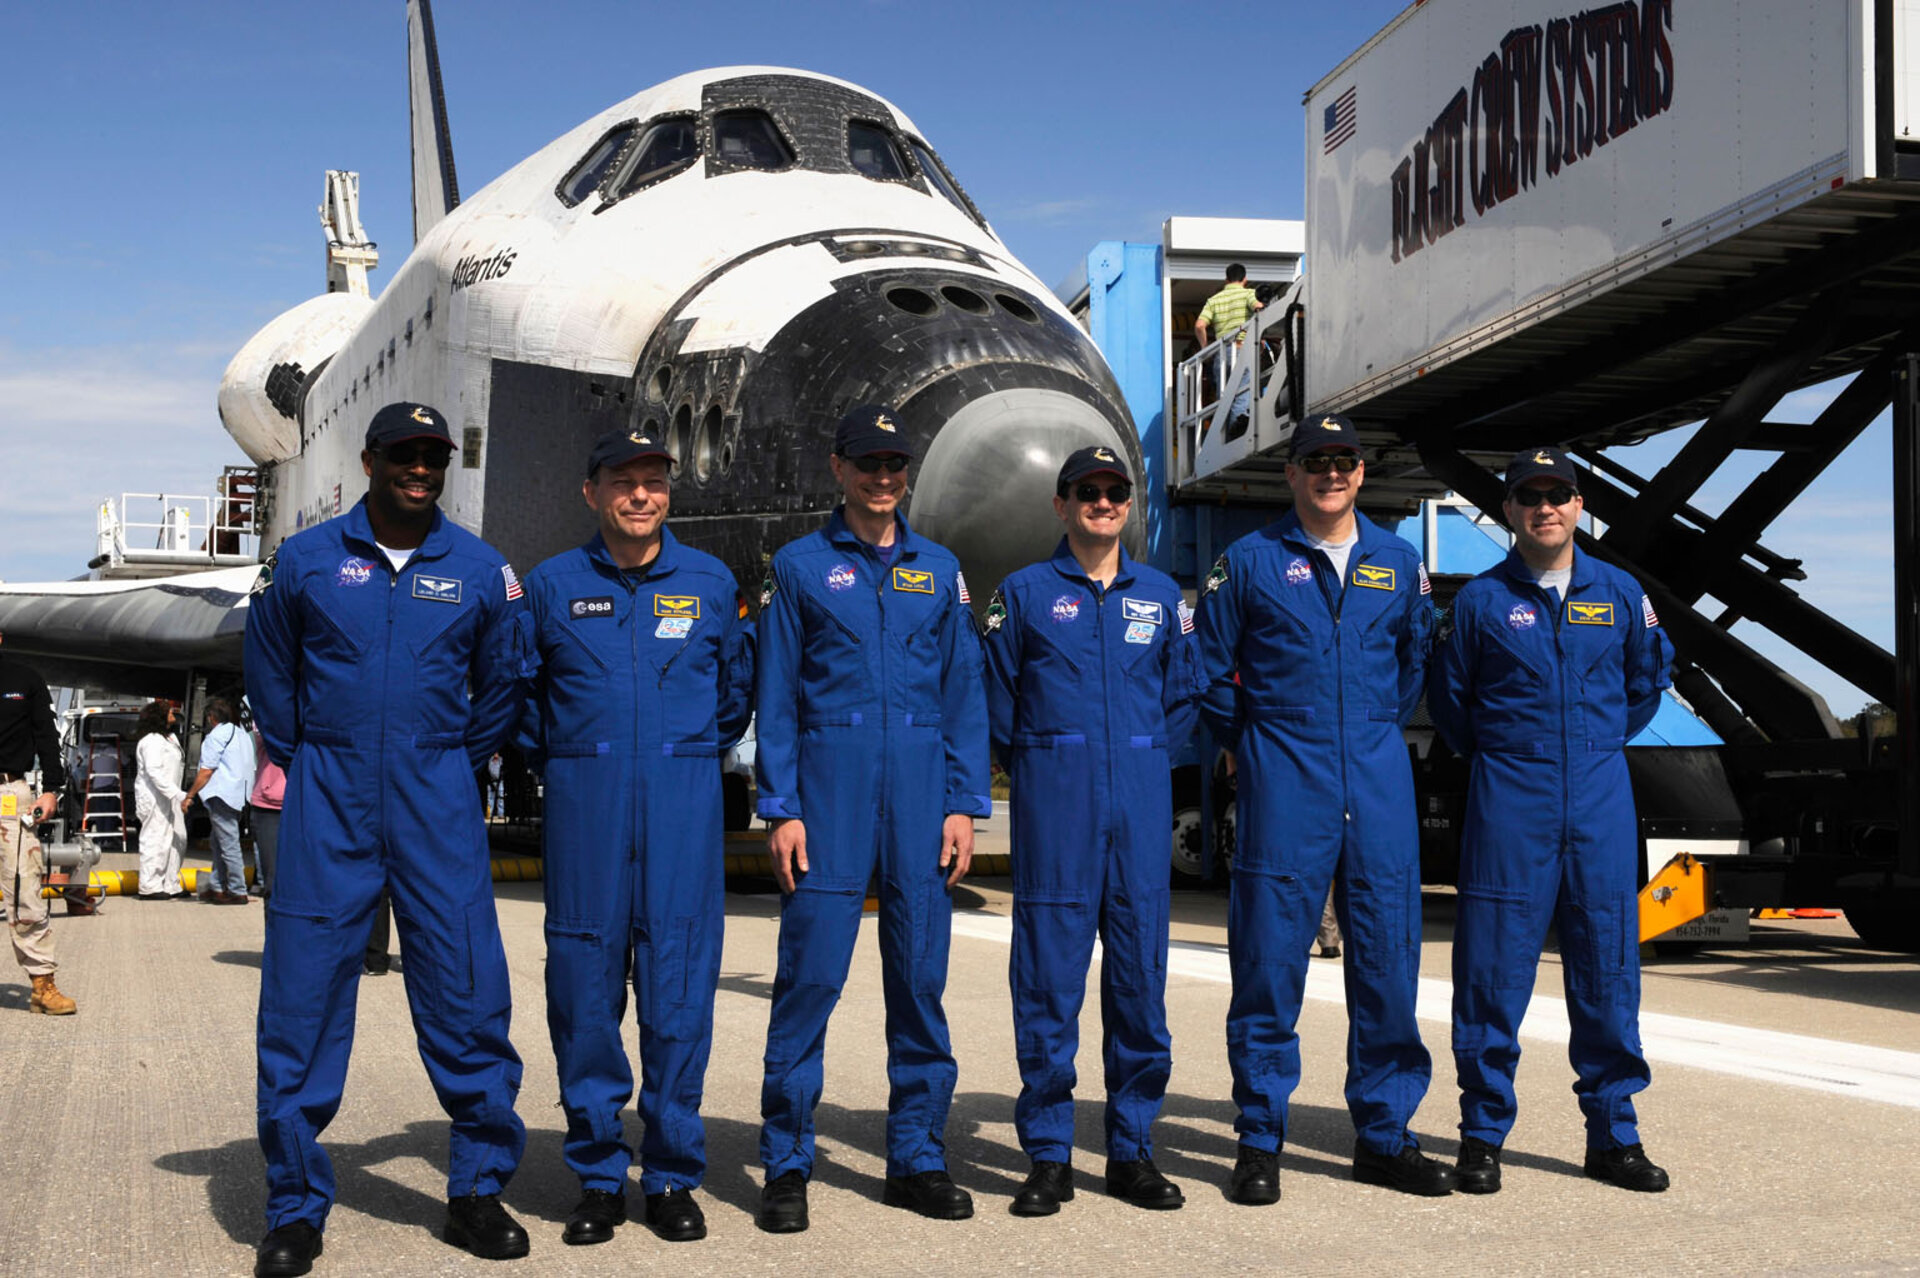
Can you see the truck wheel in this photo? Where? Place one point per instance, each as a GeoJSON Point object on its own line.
{"type": "Point", "coordinates": [1891, 923]}
{"type": "Point", "coordinates": [1189, 831]}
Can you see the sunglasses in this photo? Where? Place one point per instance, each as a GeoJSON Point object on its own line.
{"type": "Point", "coordinates": [1558, 495]}
{"type": "Point", "coordinates": [1118, 494]}
{"type": "Point", "coordinates": [1321, 463]}
{"type": "Point", "coordinates": [892, 464]}
{"type": "Point", "coordinates": [436, 456]}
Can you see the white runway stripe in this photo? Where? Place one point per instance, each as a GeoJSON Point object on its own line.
{"type": "Point", "coordinates": [1794, 1060]}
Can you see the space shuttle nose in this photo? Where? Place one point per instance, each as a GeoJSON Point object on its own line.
{"type": "Point", "coordinates": [985, 488]}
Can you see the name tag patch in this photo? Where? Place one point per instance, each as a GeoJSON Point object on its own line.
{"type": "Point", "coordinates": [687, 606]}
{"type": "Point", "coordinates": [913, 581]}
{"type": "Point", "coordinates": [1146, 610]}
{"type": "Point", "coordinates": [1140, 631]}
{"type": "Point", "coordinates": [673, 628]}
{"type": "Point", "coordinates": [1373, 578]}
{"type": "Point", "coordinates": [438, 589]}
{"type": "Point", "coordinates": [1589, 614]}
{"type": "Point", "coordinates": [598, 606]}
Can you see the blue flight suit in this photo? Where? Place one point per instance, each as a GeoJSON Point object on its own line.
{"type": "Point", "coordinates": [359, 679]}
{"type": "Point", "coordinates": [871, 728]}
{"type": "Point", "coordinates": [645, 678]}
{"type": "Point", "coordinates": [1090, 691]}
{"type": "Point", "coordinates": [1542, 695]}
{"type": "Point", "coordinates": [1329, 669]}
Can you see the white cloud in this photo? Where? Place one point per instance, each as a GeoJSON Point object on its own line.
{"type": "Point", "coordinates": [82, 425]}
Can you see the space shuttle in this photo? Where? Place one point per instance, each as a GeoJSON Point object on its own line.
{"type": "Point", "coordinates": [734, 257]}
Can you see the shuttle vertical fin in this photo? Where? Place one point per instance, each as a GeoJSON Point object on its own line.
{"type": "Point", "coordinates": [435, 188]}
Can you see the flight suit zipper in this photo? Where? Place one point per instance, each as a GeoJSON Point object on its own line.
{"type": "Point", "coordinates": [886, 755]}
{"type": "Point", "coordinates": [1566, 738]}
{"type": "Point", "coordinates": [633, 721]}
{"type": "Point", "coordinates": [1106, 697]}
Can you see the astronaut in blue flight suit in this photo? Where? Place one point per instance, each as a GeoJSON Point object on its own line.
{"type": "Point", "coordinates": [644, 679]}
{"type": "Point", "coordinates": [364, 635]}
{"type": "Point", "coordinates": [1554, 660]}
{"type": "Point", "coordinates": [871, 753]}
{"type": "Point", "coordinates": [1093, 680]}
{"type": "Point", "coordinates": [1314, 636]}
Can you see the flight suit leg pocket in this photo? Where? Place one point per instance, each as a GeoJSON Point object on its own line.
{"type": "Point", "coordinates": [1494, 941]}
{"type": "Point", "coordinates": [818, 928]}
{"type": "Point", "coordinates": [1377, 927]}
{"type": "Point", "coordinates": [1137, 943]}
{"type": "Point", "coordinates": [440, 970]}
{"type": "Point", "coordinates": [1047, 932]}
{"type": "Point", "coordinates": [1594, 943]}
{"type": "Point", "coordinates": [1264, 910]}
{"type": "Point", "coordinates": [576, 976]}
{"type": "Point", "coordinates": [304, 959]}
{"type": "Point", "coordinates": [668, 1006]}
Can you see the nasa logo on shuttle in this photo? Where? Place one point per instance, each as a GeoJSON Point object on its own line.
{"type": "Point", "coordinates": [353, 571]}
{"type": "Point", "coordinates": [841, 577]}
{"type": "Point", "coordinates": [472, 270]}
{"type": "Point", "coordinates": [1522, 617]}
{"type": "Point", "coordinates": [1066, 608]}
{"type": "Point", "coordinates": [1299, 572]}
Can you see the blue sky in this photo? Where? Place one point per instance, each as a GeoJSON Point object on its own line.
{"type": "Point", "coordinates": [166, 162]}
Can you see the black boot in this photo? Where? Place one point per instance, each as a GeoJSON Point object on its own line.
{"type": "Point", "coordinates": [1047, 1186]}
{"type": "Point", "coordinates": [1256, 1178]}
{"type": "Point", "coordinates": [1140, 1183]}
{"type": "Point", "coordinates": [480, 1224]}
{"type": "Point", "coordinates": [287, 1252]}
{"type": "Point", "coordinates": [1477, 1170]}
{"type": "Point", "coordinates": [1409, 1171]}
{"type": "Point", "coordinates": [594, 1218]}
{"type": "Point", "coordinates": [1628, 1167]}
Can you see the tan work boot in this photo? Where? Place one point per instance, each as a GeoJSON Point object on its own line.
{"type": "Point", "coordinates": [48, 1000]}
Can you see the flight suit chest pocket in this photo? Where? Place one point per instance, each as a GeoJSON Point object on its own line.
{"type": "Point", "coordinates": [840, 619]}
{"type": "Point", "coordinates": [1050, 652]}
{"type": "Point", "coordinates": [432, 622]}
{"type": "Point", "coordinates": [336, 630]}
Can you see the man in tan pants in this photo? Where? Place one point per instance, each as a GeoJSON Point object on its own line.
{"type": "Point", "coordinates": [27, 731]}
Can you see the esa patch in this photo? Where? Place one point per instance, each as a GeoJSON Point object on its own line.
{"type": "Point", "coordinates": [996, 611]}
{"type": "Point", "coordinates": [597, 606]}
{"type": "Point", "coordinates": [1589, 614]}
{"type": "Point", "coordinates": [1217, 575]}
{"type": "Point", "coordinates": [353, 571]}
{"type": "Point", "coordinates": [676, 606]}
{"type": "Point", "coordinates": [673, 628]}
{"type": "Point", "coordinates": [1148, 610]}
{"type": "Point", "coordinates": [1372, 577]}
{"type": "Point", "coordinates": [913, 580]}
{"type": "Point", "coordinates": [841, 577]}
{"type": "Point", "coordinates": [1522, 617]}
{"type": "Point", "coordinates": [1299, 572]}
{"type": "Point", "coordinates": [1066, 608]}
{"type": "Point", "coordinates": [437, 589]}
{"type": "Point", "coordinates": [1140, 631]}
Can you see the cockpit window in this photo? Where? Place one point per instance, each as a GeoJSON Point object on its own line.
{"type": "Point", "coordinates": [590, 172]}
{"type": "Point", "coordinates": [667, 147]}
{"type": "Point", "coordinates": [937, 174]}
{"type": "Point", "coordinates": [873, 152]}
{"type": "Point", "coordinates": [749, 140]}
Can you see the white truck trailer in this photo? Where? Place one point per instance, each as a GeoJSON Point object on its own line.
{"type": "Point", "coordinates": [1527, 222]}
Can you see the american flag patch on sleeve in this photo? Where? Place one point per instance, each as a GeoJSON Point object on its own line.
{"type": "Point", "coordinates": [1646, 612]}
{"type": "Point", "coordinates": [1186, 618]}
{"type": "Point", "coordinates": [1426, 587]}
{"type": "Point", "coordinates": [960, 584]}
{"type": "Point", "coordinates": [513, 582]}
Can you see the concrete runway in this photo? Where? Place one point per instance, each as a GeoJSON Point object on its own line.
{"type": "Point", "coordinates": [1785, 1102]}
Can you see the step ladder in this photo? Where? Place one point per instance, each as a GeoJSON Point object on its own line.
{"type": "Point", "coordinates": [103, 814]}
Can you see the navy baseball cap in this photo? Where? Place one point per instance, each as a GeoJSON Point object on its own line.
{"type": "Point", "coordinates": [397, 423]}
{"type": "Point", "coordinates": [1082, 462]}
{"type": "Point", "coordinates": [869, 429]}
{"type": "Point", "coordinates": [1530, 463]}
{"type": "Point", "coordinates": [1330, 431]}
{"type": "Point", "coordinates": [618, 447]}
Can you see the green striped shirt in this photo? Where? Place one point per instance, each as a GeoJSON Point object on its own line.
{"type": "Point", "coordinates": [1228, 309]}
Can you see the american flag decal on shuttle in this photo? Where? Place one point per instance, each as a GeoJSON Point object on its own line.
{"type": "Point", "coordinates": [1340, 121]}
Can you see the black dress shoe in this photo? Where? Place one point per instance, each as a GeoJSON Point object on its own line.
{"type": "Point", "coordinates": [153, 896]}
{"type": "Point", "coordinates": [1256, 1178]}
{"type": "Point", "coordinates": [377, 965]}
{"type": "Point", "coordinates": [1409, 1171]}
{"type": "Point", "coordinates": [783, 1204]}
{"type": "Point", "coordinates": [287, 1252]}
{"type": "Point", "coordinates": [480, 1224]}
{"type": "Point", "coordinates": [930, 1193]}
{"type": "Point", "coordinates": [1140, 1183]}
{"type": "Point", "coordinates": [594, 1218]}
{"type": "Point", "coordinates": [1477, 1170]}
{"type": "Point", "coordinates": [1628, 1167]}
{"type": "Point", "coordinates": [181, 895]}
{"type": "Point", "coordinates": [675, 1216]}
{"type": "Point", "coordinates": [1047, 1186]}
